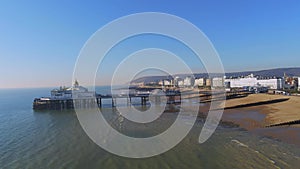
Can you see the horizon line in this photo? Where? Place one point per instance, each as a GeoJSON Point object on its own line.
{"type": "Point", "coordinates": [36, 87]}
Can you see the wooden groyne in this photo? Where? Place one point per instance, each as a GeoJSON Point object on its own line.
{"type": "Point", "coordinates": [257, 103]}
{"type": "Point", "coordinates": [285, 123]}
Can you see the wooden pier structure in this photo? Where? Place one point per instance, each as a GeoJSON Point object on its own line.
{"type": "Point", "coordinates": [172, 97]}
{"type": "Point", "coordinates": [97, 101]}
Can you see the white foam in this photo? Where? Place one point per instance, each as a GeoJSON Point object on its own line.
{"type": "Point", "coordinates": [240, 144]}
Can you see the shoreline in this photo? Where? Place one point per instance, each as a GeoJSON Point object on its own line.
{"type": "Point", "coordinates": [255, 118]}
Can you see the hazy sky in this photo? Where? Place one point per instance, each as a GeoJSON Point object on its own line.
{"type": "Point", "coordinates": [40, 41]}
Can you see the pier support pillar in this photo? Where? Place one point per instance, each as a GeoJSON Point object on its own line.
{"type": "Point", "coordinates": [99, 102]}
{"type": "Point", "coordinates": [143, 100]}
{"type": "Point", "coordinates": [113, 102]}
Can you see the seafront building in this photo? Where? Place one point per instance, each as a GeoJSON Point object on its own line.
{"type": "Point", "coordinates": [176, 81]}
{"type": "Point", "coordinates": [218, 82]}
{"type": "Point", "coordinates": [164, 83]}
{"type": "Point", "coordinates": [188, 81]}
{"type": "Point", "coordinates": [199, 82]}
{"type": "Point", "coordinates": [251, 81]}
{"type": "Point", "coordinates": [180, 83]}
{"type": "Point", "coordinates": [208, 82]}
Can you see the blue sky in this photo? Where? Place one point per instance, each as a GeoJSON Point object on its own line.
{"type": "Point", "coordinates": [40, 41]}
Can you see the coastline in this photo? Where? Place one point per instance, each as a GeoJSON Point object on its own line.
{"type": "Point", "coordinates": [256, 118]}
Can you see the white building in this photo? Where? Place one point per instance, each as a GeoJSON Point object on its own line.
{"type": "Point", "coordinates": [160, 83]}
{"type": "Point", "coordinates": [272, 83]}
{"type": "Point", "coordinates": [176, 80]}
{"type": "Point", "coordinates": [199, 82]}
{"type": "Point", "coordinates": [166, 83]}
{"type": "Point", "coordinates": [208, 82]}
{"type": "Point", "coordinates": [180, 83]}
{"type": "Point", "coordinates": [61, 93]}
{"type": "Point", "coordinates": [188, 81]}
{"type": "Point", "coordinates": [241, 82]}
{"type": "Point", "coordinates": [217, 82]}
{"type": "Point", "coordinates": [74, 92]}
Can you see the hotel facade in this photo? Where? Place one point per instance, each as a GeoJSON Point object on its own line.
{"type": "Point", "coordinates": [271, 83]}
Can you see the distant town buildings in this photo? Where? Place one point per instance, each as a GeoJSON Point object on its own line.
{"type": "Point", "coordinates": [249, 83]}
{"type": "Point", "coordinates": [165, 83]}
{"type": "Point", "coordinates": [291, 83]}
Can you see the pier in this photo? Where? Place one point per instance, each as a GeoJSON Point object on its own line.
{"type": "Point", "coordinates": [172, 97]}
{"type": "Point", "coordinates": [79, 97]}
{"type": "Point", "coordinates": [97, 101]}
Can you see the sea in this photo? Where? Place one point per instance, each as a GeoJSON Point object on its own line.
{"type": "Point", "coordinates": [55, 139]}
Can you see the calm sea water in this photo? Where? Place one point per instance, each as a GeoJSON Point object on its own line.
{"type": "Point", "coordinates": [55, 139]}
